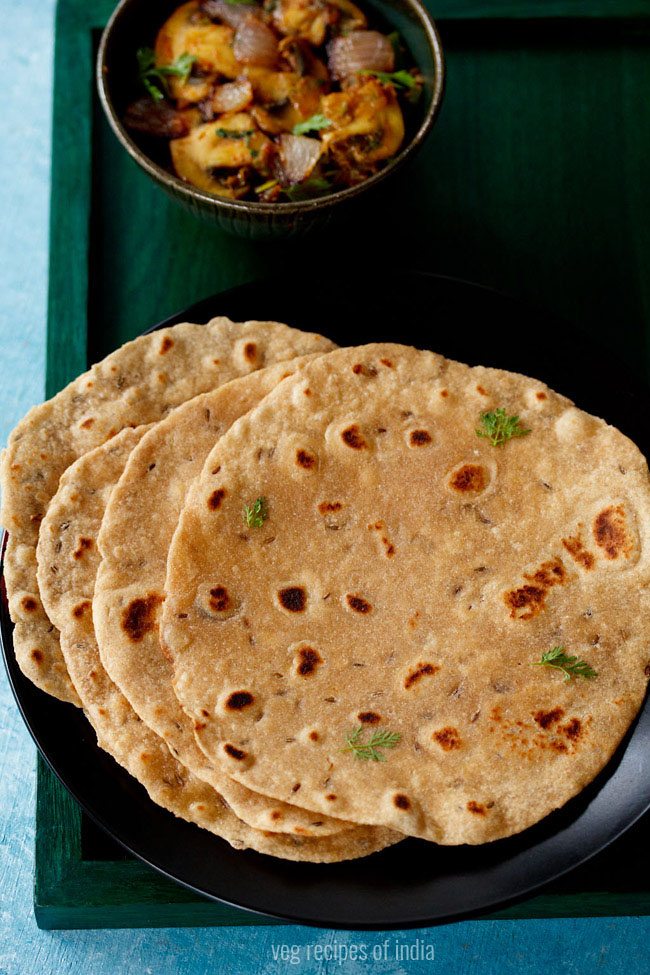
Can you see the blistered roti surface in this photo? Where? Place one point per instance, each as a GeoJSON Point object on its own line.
{"type": "Point", "coordinates": [408, 578]}
{"type": "Point", "coordinates": [69, 544]}
{"type": "Point", "coordinates": [138, 383]}
{"type": "Point", "coordinates": [131, 578]}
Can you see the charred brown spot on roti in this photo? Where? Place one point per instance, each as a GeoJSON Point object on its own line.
{"type": "Point", "coordinates": [576, 549]}
{"type": "Point", "coordinates": [307, 662]}
{"type": "Point", "coordinates": [448, 738]}
{"type": "Point", "coordinates": [361, 369]}
{"type": "Point", "coordinates": [388, 363]}
{"type": "Point", "coordinates": [369, 717]}
{"type": "Point", "coordinates": [83, 545]}
{"type": "Point", "coordinates": [139, 617]}
{"type": "Point", "coordinates": [205, 712]}
{"type": "Point", "coordinates": [306, 391]}
{"type": "Point", "coordinates": [305, 459]}
{"type": "Point", "coordinates": [293, 599]}
{"type": "Point", "coordinates": [646, 670]}
{"type": "Point", "coordinates": [573, 729]}
{"type": "Point", "coordinates": [557, 746]}
{"type": "Point", "coordinates": [380, 527]}
{"type": "Point", "coordinates": [79, 610]}
{"type": "Point", "coordinates": [358, 603]}
{"type": "Point", "coordinates": [476, 807]}
{"type": "Point", "coordinates": [239, 700]}
{"type": "Point", "coordinates": [37, 656]}
{"type": "Point", "coordinates": [29, 604]}
{"type": "Point", "coordinates": [470, 478]}
{"type": "Point", "coordinates": [419, 438]}
{"type": "Point", "coordinates": [250, 351]}
{"type": "Point", "coordinates": [611, 532]}
{"type": "Point", "coordinates": [353, 437]}
{"type": "Point", "coordinates": [237, 753]}
{"type": "Point", "coordinates": [551, 573]}
{"type": "Point", "coordinates": [276, 815]}
{"type": "Point", "coordinates": [331, 797]}
{"type": "Point", "coordinates": [400, 801]}
{"type": "Point", "coordinates": [295, 788]}
{"type": "Point", "coordinates": [541, 395]}
{"type": "Point", "coordinates": [219, 599]}
{"type": "Point", "coordinates": [86, 424]}
{"type": "Point", "coordinates": [166, 344]}
{"type": "Point", "coordinates": [36, 519]}
{"type": "Point", "coordinates": [199, 725]}
{"type": "Point", "coordinates": [314, 736]}
{"type": "Point", "coordinates": [481, 391]}
{"type": "Point", "coordinates": [421, 670]}
{"type": "Point", "coordinates": [216, 499]}
{"type": "Point", "coordinates": [545, 719]}
{"type": "Point", "coordinates": [528, 600]}
{"type": "Point", "coordinates": [444, 393]}
{"type": "Point", "coordinates": [326, 507]}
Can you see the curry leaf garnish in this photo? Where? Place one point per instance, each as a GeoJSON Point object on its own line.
{"type": "Point", "coordinates": [370, 751]}
{"type": "Point", "coordinates": [570, 666]}
{"type": "Point", "coordinates": [403, 79]}
{"type": "Point", "coordinates": [312, 124]}
{"type": "Point", "coordinates": [254, 515]}
{"type": "Point", "coordinates": [242, 3]}
{"type": "Point", "coordinates": [497, 427]}
{"type": "Point", "coordinates": [150, 72]}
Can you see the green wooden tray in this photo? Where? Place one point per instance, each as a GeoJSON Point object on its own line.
{"type": "Point", "coordinates": [534, 182]}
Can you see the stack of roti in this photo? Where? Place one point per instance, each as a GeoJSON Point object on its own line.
{"type": "Point", "coordinates": [316, 600]}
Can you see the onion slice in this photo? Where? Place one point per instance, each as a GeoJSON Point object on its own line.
{"type": "Point", "coordinates": [298, 156]}
{"type": "Point", "coordinates": [255, 44]}
{"type": "Point", "coordinates": [360, 50]}
{"type": "Point", "coordinates": [232, 97]}
{"type": "Point", "coordinates": [232, 14]}
{"type": "Point", "coordinates": [156, 118]}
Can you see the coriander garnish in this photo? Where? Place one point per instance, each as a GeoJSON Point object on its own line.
{"type": "Point", "coordinates": [254, 515]}
{"type": "Point", "coordinates": [367, 751]}
{"type": "Point", "coordinates": [151, 73]}
{"type": "Point", "coordinates": [403, 79]}
{"type": "Point", "coordinates": [570, 666]}
{"type": "Point", "coordinates": [234, 133]}
{"type": "Point", "coordinates": [499, 427]}
{"type": "Point", "coordinates": [312, 124]}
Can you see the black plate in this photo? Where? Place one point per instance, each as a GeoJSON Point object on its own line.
{"type": "Point", "coordinates": [415, 883]}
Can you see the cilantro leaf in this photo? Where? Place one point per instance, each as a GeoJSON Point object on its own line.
{"type": "Point", "coordinates": [312, 124]}
{"type": "Point", "coordinates": [498, 427]}
{"type": "Point", "coordinates": [568, 665]}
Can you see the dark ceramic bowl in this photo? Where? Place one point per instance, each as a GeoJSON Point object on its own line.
{"type": "Point", "coordinates": [134, 24]}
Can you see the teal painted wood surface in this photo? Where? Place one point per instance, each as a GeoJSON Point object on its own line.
{"type": "Point", "coordinates": [618, 946]}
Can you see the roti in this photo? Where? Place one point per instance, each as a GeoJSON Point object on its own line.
{"type": "Point", "coordinates": [138, 383]}
{"type": "Point", "coordinates": [68, 545]}
{"type": "Point", "coordinates": [408, 592]}
{"type": "Point", "coordinates": [131, 579]}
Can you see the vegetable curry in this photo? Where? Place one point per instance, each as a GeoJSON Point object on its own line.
{"type": "Point", "coordinates": [285, 101]}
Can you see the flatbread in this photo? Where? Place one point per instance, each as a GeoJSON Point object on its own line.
{"type": "Point", "coordinates": [69, 540]}
{"type": "Point", "coordinates": [134, 547]}
{"type": "Point", "coordinates": [138, 383]}
{"type": "Point", "coordinates": [416, 575]}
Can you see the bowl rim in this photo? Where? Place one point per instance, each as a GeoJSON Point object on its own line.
{"type": "Point", "coordinates": [182, 188]}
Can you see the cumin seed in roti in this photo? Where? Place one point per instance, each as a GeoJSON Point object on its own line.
{"type": "Point", "coordinates": [138, 383]}
{"type": "Point", "coordinates": [129, 590]}
{"type": "Point", "coordinates": [416, 575]}
{"type": "Point", "coordinates": [76, 512]}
